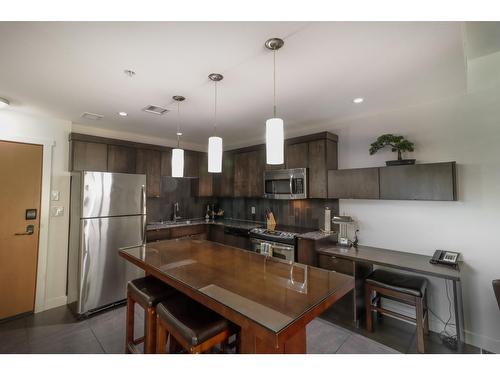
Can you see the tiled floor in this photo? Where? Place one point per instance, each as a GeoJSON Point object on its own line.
{"type": "Point", "coordinates": [57, 331]}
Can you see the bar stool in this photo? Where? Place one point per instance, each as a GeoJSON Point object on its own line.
{"type": "Point", "coordinates": [189, 325]}
{"type": "Point", "coordinates": [146, 292]}
{"type": "Point", "coordinates": [403, 288]}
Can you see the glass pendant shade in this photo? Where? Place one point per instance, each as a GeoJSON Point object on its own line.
{"type": "Point", "coordinates": [177, 162]}
{"type": "Point", "coordinates": [274, 141]}
{"type": "Point", "coordinates": [215, 154]}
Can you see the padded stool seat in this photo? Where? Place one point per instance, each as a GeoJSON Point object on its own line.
{"type": "Point", "coordinates": [398, 282]}
{"type": "Point", "coordinates": [194, 322]}
{"type": "Point", "coordinates": [408, 289]}
{"type": "Point", "coordinates": [189, 325]}
{"type": "Point", "coordinates": [148, 291]}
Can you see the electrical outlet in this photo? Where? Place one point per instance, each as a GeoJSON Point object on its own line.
{"type": "Point", "coordinates": [253, 210]}
{"type": "Point", "coordinates": [57, 211]}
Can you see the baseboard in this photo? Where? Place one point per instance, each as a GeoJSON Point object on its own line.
{"type": "Point", "coordinates": [484, 342]}
{"type": "Point", "coordinates": [53, 302]}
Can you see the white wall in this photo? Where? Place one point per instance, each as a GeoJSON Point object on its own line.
{"type": "Point", "coordinates": [465, 129]}
{"type": "Point", "coordinates": [39, 130]}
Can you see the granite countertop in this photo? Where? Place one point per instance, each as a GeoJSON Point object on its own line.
{"type": "Point", "coordinates": [316, 235]}
{"type": "Point", "coordinates": [242, 224]}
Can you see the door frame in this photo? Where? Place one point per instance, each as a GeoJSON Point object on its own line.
{"type": "Point", "coordinates": [43, 239]}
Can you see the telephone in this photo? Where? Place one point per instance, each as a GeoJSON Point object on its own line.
{"type": "Point", "coordinates": [448, 258]}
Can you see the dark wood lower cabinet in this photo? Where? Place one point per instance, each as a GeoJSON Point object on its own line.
{"type": "Point", "coordinates": [199, 232]}
{"type": "Point", "coordinates": [219, 233]}
{"type": "Point", "coordinates": [359, 271]}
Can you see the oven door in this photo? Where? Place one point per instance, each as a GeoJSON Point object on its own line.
{"type": "Point", "coordinates": [286, 184]}
{"type": "Point", "coordinates": [274, 249]}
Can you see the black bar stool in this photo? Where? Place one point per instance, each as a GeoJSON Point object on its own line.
{"type": "Point", "coordinates": [146, 292]}
{"type": "Point", "coordinates": [403, 288]}
{"type": "Point", "coordinates": [189, 325]}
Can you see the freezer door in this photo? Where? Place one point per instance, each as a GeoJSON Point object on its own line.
{"type": "Point", "coordinates": [113, 194]}
{"type": "Point", "coordinates": [103, 273]}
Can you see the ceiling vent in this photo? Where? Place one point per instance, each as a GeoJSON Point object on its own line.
{"type": "Point", "coordinates": [155, 109]}
{"type": "Point", "coordinates": [91, 116]}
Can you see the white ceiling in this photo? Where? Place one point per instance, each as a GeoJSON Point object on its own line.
{"type": "Point", "coordinates": [63, 69]}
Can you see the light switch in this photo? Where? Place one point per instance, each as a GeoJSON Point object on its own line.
{"type": "Point", "coordinates": [54, 195]}
{"type": "Point", "coordinates": [253, 210]}
{"type": "Point", "coordinates": [57, 211]}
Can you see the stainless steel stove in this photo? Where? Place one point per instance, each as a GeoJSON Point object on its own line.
{"type": "Point", "coordinates": [276, 243]}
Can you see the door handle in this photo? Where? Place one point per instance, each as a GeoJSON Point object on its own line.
{"type": "Point", "coordinates": [30, 229]}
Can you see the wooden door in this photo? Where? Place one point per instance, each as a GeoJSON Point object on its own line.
{"type": "Point", "coordinates": [21, 171]}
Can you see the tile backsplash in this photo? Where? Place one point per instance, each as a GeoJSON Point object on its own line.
{"type": "Point", "coordinates": [177, 190]}
{"type": "Point", "coordinates": [307, 213]}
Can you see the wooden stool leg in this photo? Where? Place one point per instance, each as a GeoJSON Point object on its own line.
{"type": "Point", "coordinates": [426, 321]}
{"type": "Point", "coordinates": [161, 337]}
{"type": "Point", "coordinates": [368, 304]}
{"type": "Point", "coordinates": [130, 323]}
{"type": "Point", "coordinates": [173, 346]}
{"type": "Point", "coordinates": [420, 324]}
{"type": "Point", "coordinates": [150, 331]}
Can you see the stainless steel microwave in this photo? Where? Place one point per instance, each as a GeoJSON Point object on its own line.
{"type": "Point", "coordinates": [285, 184]}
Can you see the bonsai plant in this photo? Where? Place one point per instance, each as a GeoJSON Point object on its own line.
{"type": "Point", "coordinates": [396, 143]}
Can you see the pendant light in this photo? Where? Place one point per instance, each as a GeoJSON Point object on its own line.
{"type": "Point", "coordinates": [215, 142]}
{"type": "Point", "coordinates": [178, 153]}
{"type": "Point", "coordinates": [274, 126]}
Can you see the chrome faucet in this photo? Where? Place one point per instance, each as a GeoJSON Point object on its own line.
{"type": "Point", "coordinates": [176, 211]}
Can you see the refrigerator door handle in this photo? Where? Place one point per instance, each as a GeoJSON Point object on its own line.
{"type": "Point", "coordinates": [143, 209]}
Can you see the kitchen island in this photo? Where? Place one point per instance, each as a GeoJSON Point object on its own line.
{"type": "Point", "coordinates": [270, 300]}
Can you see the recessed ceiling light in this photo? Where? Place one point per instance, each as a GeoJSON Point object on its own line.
{"type": "Point", "coordinates": [358, 100]}
{"type": "Point", "coordinates": [129, 72]}
{"type": "Point", "coordinates": [4, 103]}
{"type": "Point", "coordinates": [179, 134]}
{"type": "Point", "coordinates": [123, 114]}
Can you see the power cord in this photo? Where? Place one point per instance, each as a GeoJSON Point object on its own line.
{"type": "Point", "coordinates": [447, 339]}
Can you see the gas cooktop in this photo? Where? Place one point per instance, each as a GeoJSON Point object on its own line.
{"type": "Point", "coordinates": [278, 234]}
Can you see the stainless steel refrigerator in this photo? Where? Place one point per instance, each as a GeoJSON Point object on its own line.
{"type": "Point", "coordinates": [108, 212]}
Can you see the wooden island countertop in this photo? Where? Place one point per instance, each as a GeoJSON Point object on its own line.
{"type": "Point", "coordinates": [272, 301]}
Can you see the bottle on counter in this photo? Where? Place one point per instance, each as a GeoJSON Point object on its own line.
{"type": "Point", "coordinates": [207, 216]}
{"type": "Point", "coordinates": [328, 220]}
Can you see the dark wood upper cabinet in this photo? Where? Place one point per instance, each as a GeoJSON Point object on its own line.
{"type": "Point", "coordinates": [121, 159]}
{"type": "Point", "coordinates": [166, 163]}
{"type": "Point", "coordinates": [362, 183]}
{"type": "Point", "coordinates": [224, 182]}
{"type": "Point", "coordinates": [191, 163]}
{"type": "Point", "coordinates": [256, 167]}
{"type": "Point", "coordinates": [241, 163]}
{"type": "Point", "coordinates": [436, 181]}
{"type": "Point", "coordinates": [148, 162]}
{"type": "Point", "coordinates": [205, 179]}
{"type": "Point", "coordinates": [297, 155]}
{"type": "Point", "coordinates": [322, 156]}
{"type": "Point", "coordinates": [89, 156]}
{"type": "Point", "coordinates": [249, 173]}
